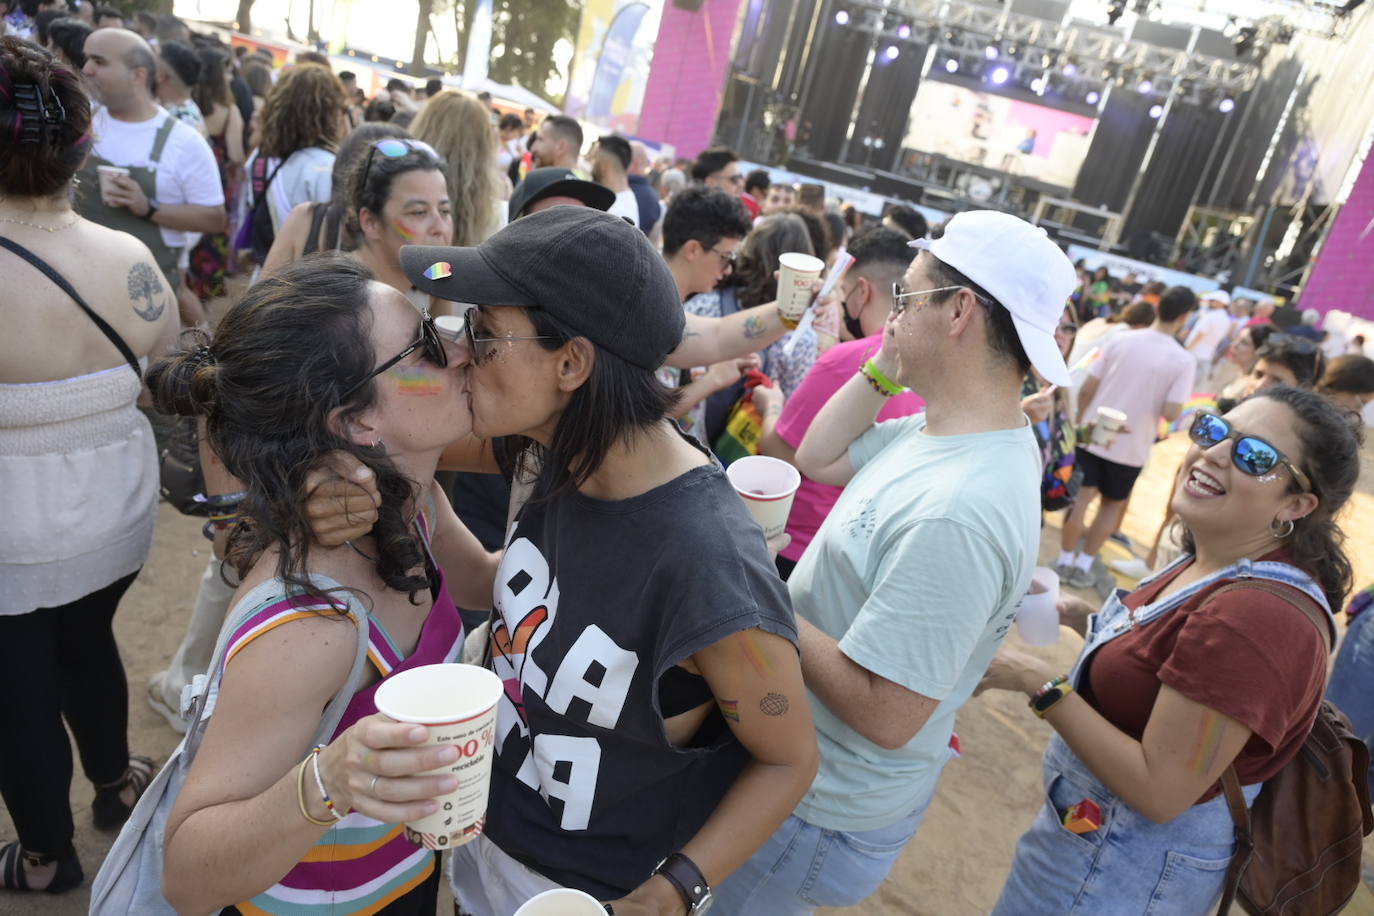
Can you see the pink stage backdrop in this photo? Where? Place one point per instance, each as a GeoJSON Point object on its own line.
{"type": "Point", "coordinates": [687, 77]}
{"type": "Point", "coordinates": [1343, 277]}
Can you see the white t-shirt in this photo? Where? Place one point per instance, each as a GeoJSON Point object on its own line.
{"type": "Point", "coordinates": [1139, 372]}
{"type": "Point", "coordinates": [626, 205]}
{"type": "Point", "coordinates": [917, 572]}
{"type": "Point", "coordinates": [186, 173]}
{"type": "Point", "coordinates": [1208, 332]}
{"type": "Point", "coordinates": [307, 176]}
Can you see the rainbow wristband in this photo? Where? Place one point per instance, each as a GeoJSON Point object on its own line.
{"type": "Point", "coordinates": [880, 382]}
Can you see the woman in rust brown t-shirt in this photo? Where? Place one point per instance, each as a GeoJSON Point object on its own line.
{"type": "Point", "coordinates": [1179, 680]}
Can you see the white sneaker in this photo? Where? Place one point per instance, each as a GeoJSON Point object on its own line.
{"type": "Point", "coordinates": [1134, 568]}
{"type": "Point", "coordinates": [158, 701]}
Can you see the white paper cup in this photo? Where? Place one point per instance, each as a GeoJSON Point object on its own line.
{"type": "Point", "coordinates": [1109, 423]}
{"type": "Point", "coordinates": [458, 704]}
{"type": "Point", "coordinates": [767, 486]}
{"type": "Point", "coordinates": [796, 271]}
{"type": "Point", "coordinates": [562, 901]}
{"type": "Point", "coordinates": [1037, 618]}
{"type": "Point", "coordinates": [107, 173]}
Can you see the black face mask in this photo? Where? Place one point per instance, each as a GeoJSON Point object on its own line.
{"type": "Point", "coordinates": [851, 324]}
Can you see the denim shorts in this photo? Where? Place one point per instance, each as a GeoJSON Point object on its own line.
{"type": "Point", "coordinates": [1352, 678]}
{"type": "Point", "coordinates": [803, 866]}
{"type": "Point", "coordinates": [1129, 866]}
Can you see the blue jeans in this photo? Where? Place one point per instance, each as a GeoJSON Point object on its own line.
{"type": "Point", "coordinates": [1352, 678]}
{"type": "Point", "coordinates": [1129, 866]}
{"type": "Point", "coordinates": [803, 866]}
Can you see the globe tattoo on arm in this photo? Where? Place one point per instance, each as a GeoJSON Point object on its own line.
{"type": "Point", "coordinates": [144, 287]}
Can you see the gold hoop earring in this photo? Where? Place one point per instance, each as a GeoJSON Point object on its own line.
{"type": "Point", "coordinates": [1277, 530]}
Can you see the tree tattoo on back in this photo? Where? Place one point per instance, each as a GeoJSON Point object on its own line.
{"type": "Point", "coordinates": [143, 287]}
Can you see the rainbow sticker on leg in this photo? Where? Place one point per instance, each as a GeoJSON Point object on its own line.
{"type": "Point", "coordinates": [439, 270]}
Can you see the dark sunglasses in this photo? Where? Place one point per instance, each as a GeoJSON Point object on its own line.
{"type": "Point", "coordinates": [395, 148]}
{"type": "Point", "coordinates": [1251, 455]}
{"type": "Point", "coordinates": [1299, 345]}
{"type": "Point", "coordinates": [429, 340]}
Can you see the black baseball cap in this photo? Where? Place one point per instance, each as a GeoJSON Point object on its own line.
{"type": "Point", "coordinates": [556, 182]}
{"type": "Point", "coordinates": [593, 272]}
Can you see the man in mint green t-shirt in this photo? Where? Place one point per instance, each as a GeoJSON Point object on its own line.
{"type": "Point", "coordinates": [914, 578]}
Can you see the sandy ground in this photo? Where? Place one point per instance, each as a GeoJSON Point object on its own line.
{"type": "Point", "coordinates": [955, 866]}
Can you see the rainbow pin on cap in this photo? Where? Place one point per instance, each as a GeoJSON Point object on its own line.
{"type": "Point", "coordinates": [439, 270]}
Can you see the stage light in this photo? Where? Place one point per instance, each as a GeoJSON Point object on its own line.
{"type": "Point", "coordinates": [842, 17]}
{"type": "Point", "coordinates": [1093, 98]}
{"type": "Point", "coordinates": [1115, 11]}
{"type": "Point", "coordinates": [951, 66]}
{"type": "Point", "coordinates": [1038, 85]}
{"type": "Point", "coordinates": [1000, 75]}
{"type": "Point", "coordinates": [1145, 87]}
{"type": "Point", "coordinates": [904, 31]}
{"type": "Point", "coordinates": [1227, 105]}
{"type": "Point", "coordinates": [1156, 110]}
{"type": "Point", "coordinates": [1069, 70]}
{"type": "Point", "coordinates": [891, 52]}
{"type": "Point", "coordinates": [990, 52]}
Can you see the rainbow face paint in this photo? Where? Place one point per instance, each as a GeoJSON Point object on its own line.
{"type": "Point", "coordinates": [417, 380]}
{"type": "Point", "coordinates": [439, 270]}
{"type": "Point", "coordinates": [402, 230]}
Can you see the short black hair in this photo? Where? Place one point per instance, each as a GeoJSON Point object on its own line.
{"type": "Point", "coordinates": [567, 128]}
{"type": "Point", "coordinates": [757, 180]}
{"type": "Point", "coordinates": [881, 245]}
{"type": "Point", "coordinates": [618, 147]}
{"type": "Point", "coordinates": [395, 84]}
{"type": "Point", "coordinates": [909, 220]}
{"type": "Point", "coordinates": [706, 215]}
{"type": "Point", "coordinates": [1176, 302]}
{"type": "Point", "coordinates": [182, 60]}
{"type": "Point", "coordinates": [42, 21]}
{"type": "Point", "coordinates": [69, 35]}
{"type": "Point", "coordinates": [433, 87]}
{"type": "Point", "coordinates": [1002, 336]}
{"type": "Point", "coordinates": [712, 161]}
{"type": "Point", "coordinates": [511, 122]}
{"type": "Point", "coordinates": [1302, 356]}
{"type": "Point", "coordinates": [108, 12]}
{"type": "Point", "coordinates": [346, 75]}
{"type": "Point", "coordinates": [146, 19]}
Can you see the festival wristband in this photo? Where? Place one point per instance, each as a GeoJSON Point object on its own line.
{"type": "Point", "coordinates": [1049, 696]}
{"type": "Point", "coordinates": [880, 382]}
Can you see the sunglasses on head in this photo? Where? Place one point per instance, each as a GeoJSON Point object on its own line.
{"type": "Point", "coordinates": [429, 340]}
{"type": "Point", "coordinates": [1251, 455]}
{"type": "Point", "coordinates": [395, 148]}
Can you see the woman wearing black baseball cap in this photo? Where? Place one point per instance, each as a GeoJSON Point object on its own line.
{"type": "Point", "coordinates": [654, 722]}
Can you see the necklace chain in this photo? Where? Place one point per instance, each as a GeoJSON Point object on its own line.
{"type": "Point", "coordinates": [76, 218]}
{"type": "Point", "coordinates": [359, 552]}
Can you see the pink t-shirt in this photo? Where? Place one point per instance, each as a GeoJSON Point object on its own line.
{"type": "Point", "coordinates": [1139, 372]}
{"type": "Point", "coordinates": [827, 376]}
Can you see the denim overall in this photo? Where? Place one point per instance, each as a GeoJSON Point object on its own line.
{"type": "Point", "coordinates": [1130, 865]}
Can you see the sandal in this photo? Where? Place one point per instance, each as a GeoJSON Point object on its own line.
{"type": "Point", "coordinates": [108, 809]}
{"type": "Point", "coordinates": [13, 878]}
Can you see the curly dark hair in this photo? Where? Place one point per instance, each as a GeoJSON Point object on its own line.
{"type": "Point", "coordinates": [44, 166]}
{"type": "Point", "coordinates": [267, 383]}
{"type": "Point", "coordinates": [306, 108]}
{"type": "Point", "coordinates": [773, 237]}
{"type": "Point", "coordinates": [1330, 458]}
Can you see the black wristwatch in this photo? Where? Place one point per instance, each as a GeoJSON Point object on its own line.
{"type": "Point", "coordinates": [152, 208]}
{"type": "Point", "coordinates": [683, 874]}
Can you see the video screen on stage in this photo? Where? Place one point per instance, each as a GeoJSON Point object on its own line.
{"type": "Point", "coordinates": [999, 133]}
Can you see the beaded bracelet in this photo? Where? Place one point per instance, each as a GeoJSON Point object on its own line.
{"type": "Point", "coordinates": [217, 523]}
{"type": "Point", "coordinates": [300, 797]}
{"type": "Point", "coordinates": [879, 381]}
{"type": "Point", "coordinates": [226, 500]}
{"type": "Point", "coordinates": [319, 782]}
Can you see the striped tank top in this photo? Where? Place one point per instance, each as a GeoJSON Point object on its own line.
{"type": "Point", "coordinates": [360, 866]}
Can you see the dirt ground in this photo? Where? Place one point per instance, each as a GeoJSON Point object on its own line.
{"type": "Point", "coordinates": [955, 866]}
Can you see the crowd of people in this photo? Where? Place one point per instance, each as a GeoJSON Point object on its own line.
{"type": "Point", "coordinates": [467, 404]}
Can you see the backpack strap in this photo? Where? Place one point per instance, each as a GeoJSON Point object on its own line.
{"type": "Point", "coordinates": [1230, 780]}
{"type": "Point", "coordinates": [51, 273]}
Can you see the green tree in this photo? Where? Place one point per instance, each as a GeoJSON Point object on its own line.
{"type": "Point", "coordinates": [523, 36]}
{"type": "Point", "coordinates": [245, 17]}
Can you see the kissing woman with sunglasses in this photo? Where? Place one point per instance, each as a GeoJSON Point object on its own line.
{"type": "Point", "coordinates": [321, 358]}
{"type": "Point", "coordinates": [1189, 675]}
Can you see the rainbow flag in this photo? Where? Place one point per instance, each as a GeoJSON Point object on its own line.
{"type": "Point", "coordinates": [1185, 419]}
